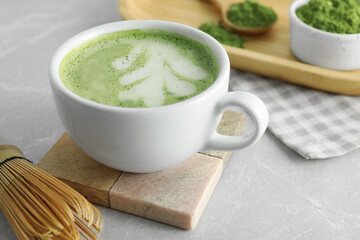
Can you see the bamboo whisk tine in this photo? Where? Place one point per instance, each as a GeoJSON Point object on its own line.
{"type": "Point", "coordinates": [39, 206]}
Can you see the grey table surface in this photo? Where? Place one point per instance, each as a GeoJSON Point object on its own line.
{"type": "Point", "coordinates": [266, 191]}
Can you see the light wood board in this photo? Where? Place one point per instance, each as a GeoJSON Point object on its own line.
{"type": "Point", "coordinates": [176, 196]}
{"type": "Point", "coordinates": [267, 55]}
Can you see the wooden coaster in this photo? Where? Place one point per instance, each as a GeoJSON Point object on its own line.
{"type": "Point", "coordinates": [175, 196]}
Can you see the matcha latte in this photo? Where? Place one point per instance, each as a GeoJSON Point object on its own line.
{"type": "Point", "coordinates": [139, 68]}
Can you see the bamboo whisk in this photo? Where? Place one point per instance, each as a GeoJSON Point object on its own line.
{"type": "Point", "coordinates": [38, 206]}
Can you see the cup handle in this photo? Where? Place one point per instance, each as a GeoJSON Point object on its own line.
{"type": "Point", "coordinates": [254, 107]}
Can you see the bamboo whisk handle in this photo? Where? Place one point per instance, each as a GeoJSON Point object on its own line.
{"type": "Point", "coordinates": [8, 152]}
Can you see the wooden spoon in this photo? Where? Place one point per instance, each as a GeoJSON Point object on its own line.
{"type": "Point", "coordinates": [224, 6]}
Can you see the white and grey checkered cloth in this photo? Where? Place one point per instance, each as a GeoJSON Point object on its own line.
{"type": "Point", "coordinates": [313, 123]}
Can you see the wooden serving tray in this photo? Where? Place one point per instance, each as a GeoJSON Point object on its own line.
{"type": "Point", "coordinates": [267, 55]}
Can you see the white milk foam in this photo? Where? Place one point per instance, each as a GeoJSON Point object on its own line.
{"type": "Point", "coordinates": [163, 63]}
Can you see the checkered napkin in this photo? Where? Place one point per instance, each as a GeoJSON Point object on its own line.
{"type": "Point", "coordinates": [313, 123]}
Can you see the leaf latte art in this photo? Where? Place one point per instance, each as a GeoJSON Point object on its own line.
{"type": "Point", "coordinates": [164, 63]}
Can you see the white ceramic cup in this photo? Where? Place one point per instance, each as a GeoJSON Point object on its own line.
{"type": "Point", "coordinates": [151, 139]}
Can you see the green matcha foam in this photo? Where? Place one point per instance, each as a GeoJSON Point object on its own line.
{"type": "Point", "coordinates": [139, 68]}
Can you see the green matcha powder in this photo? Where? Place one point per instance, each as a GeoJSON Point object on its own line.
{"type": "Point", "coordinates": [222, 35]}
{"type": "Point", "coordinates": [247, 14]}
{"type": "Point", "coordinates": [251, 14]}
{"type": "Point", "coordinates": [336, 16]}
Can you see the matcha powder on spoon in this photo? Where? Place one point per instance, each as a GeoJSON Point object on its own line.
{"type": "Point", "coordinates": [251, 14]}
{"type": "Point", "coordinates": [336, 16]}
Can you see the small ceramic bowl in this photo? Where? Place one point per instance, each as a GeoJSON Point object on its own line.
{"type": "Point", "coordinates": [320, 48]}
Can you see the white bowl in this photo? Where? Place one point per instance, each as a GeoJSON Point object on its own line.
{"type": "Point", "coordinates": [321, 48]}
